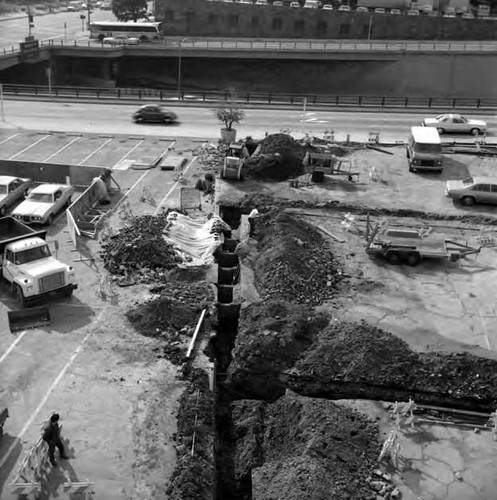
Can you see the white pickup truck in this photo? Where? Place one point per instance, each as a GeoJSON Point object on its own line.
{"type": "Point", "coordinates": [28, 265]}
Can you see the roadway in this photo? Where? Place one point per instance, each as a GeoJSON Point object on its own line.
{"type": "Point", "coordinates": [199, 122]}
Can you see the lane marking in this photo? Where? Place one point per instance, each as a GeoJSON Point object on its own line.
{"type": "Point", "coordinates": [16, 341]}
{"type": "Point", "coordinates": [61, 149]}
{"type": "Point", "coordinates": [96, 151]}
{"type": "Point", "coordinates": [9, 138]}
{"type": "Point", "coordinates": [47, 395]}
{"type": "Point", "coordinates": [139, 143]}
{"type": "Point", "coordinates": [174, 186]}
{"type": "Point", "coordinates": [29, 147]}
{"type": "Point", "coordinates": [485, 331]}
{"type": "Point", "coordinates": [110, 212]}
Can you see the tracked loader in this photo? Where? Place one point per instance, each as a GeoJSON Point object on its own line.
{"type": "Point", "coordinates": [234, 161]}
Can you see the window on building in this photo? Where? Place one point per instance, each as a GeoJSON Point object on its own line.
{"type": "Point", "coordinates": [344, 29]}
{"type": "Point", "coordinates": [169, 16]}
{"type": "Point", "coordinates": [277, 23]}
{"type": "Point", "coordinates": [299, 26]}
{"type": "Point", "coordinates": [233, 20]}
{"type": "Point", "coordinates": [212, 19]}
{"type": "Point", "coordinates": [254, 21]}
{"type": "Point", "coordinates": [321, 28]}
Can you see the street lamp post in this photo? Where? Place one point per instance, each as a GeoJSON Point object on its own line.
{"type": "Point", "coordinates": [179, 65]}
{"type": "Point", "coordinates": [370, 28]}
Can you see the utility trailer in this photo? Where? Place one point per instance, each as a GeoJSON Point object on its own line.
{"type": "Point", "coordinates": [411, 246]}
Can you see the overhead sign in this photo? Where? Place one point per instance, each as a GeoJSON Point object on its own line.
{"type": "Point", "coordinates": [29, 48]}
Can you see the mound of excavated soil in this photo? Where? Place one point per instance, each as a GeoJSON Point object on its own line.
{"type": "Point", "coordinates": [349, 360]}
{"type": "Point", "coordinates": [279, 158]}
{"type": "Point", "coordinates": [301, 448]}
{"type": "Point", "coordinates": [172, 315]}
{"type": "Point", "coordinates": [193, 476]}
{"type": "Point", "coordinates": [294, 263]}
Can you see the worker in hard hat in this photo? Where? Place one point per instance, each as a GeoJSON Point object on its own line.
{"type": "Point", "coordinates": [252, 218]}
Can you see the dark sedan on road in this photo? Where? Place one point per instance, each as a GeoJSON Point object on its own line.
{"type": "Point", "coordinates": [152, 113]}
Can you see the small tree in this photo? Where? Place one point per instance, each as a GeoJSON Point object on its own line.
{"type": "Point", "coordinates": [229, 114]}
{"type": "Point", "coordinates": [130, 10]}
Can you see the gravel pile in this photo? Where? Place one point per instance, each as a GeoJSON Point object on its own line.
{"type": "Point", "coordinates": [140, 249]}
{"type": "Point", "coordinates": [294, 263]}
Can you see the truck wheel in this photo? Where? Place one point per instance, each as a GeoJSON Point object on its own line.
{"type": "Point", "coordinates": [413, 259]}
{"type": "Point", "coordinates": [2, 212]}
{"type": "Point", "coordinates": [393, 258]}
{"type": "Point", "coordinates": [18, 294]}
{"type": "Point", "coordinates": [68, 293]}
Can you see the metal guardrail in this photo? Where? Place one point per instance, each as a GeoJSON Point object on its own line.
{"type": "Point", "coordinates": [322, 100]}
{"type": "Point", "coordinates": [295, 46]}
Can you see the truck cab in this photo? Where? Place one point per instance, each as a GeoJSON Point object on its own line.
{"type": "Point", "coordinates": [29, 266]}
{"type": "Point", "coordinates": [424, 150]}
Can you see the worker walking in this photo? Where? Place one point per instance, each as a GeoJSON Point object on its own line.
{"type": "Point", "coordinates": [252, 218]}
{"type": "Point", "coordinates": [51, 435]}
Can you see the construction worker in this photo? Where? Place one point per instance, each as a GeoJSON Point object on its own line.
{"type": "Point", "coordinates": [51, 435]}
{"type": "Point", "coordinates": [252, 218]}
{"type": "Point", "coordinates": [101, 182]}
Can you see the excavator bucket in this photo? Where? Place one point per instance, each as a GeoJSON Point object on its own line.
{"type": "Point", "coordinates": [33, 317]}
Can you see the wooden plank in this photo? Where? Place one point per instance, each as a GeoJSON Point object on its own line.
{"type": "Point", "coordinates": [331, 235]}
{"type": "Point", "coordinates": [197, 329]}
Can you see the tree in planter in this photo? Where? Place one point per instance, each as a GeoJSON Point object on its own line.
{"type": "Point", "coordinates": [130, 10]}
{"type": "Point", "coordinates": [230, 115]}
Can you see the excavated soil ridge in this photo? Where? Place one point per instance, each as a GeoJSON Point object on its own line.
{"type": "Point", "coordinates": [294, 263]}
{"type": "Point", "coordinates": [350, 360]}
{"type": "Point", "coordinates": [304, 449]}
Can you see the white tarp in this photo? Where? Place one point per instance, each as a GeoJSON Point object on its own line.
{"type": "Point", "coordinates": [195, 240]}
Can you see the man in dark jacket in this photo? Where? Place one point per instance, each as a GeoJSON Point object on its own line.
{"type": "Point", "coordinates": [51, 435]}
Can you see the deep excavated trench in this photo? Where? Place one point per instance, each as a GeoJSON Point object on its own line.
{"type": "Point", "coordinates": [229, 486]}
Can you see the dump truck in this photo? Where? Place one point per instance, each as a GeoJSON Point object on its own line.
{"type": "Point", "coordinates": [400, 245]}
{"type": "Point", "coordinates": [28, 266]}
{"type": "Point", "coordinates": [234, 161]}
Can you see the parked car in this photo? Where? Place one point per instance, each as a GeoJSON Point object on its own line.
{"type": "Point", "coordinates": [294, 5]}
{"type": "Point", "coordinates": [468, 15]}
{"type": "Point", "coordinates": [43, 203]}
{"type": "Point", "coordinates": [426, 9]}
{"type": "Point", "coordinates": [327, 6]}
{"type": "Point", "coordinates": [344, 8]}
{"type": "Point", "coordinates": [473, 190]}
{"type": "Point", "coordinates": [413, 12]}
{"type": "Point", "coordinates": [12, 189]}
{"type": "Point", "coordinates": [395, 11]}
{"type": "Point", "coordinates": [311, 4]}
{"type": "Point", "coordinates": [261, 2]}
{"type": "Point", "coordinates": [277, 3]}
{"type": "Point", "coordinates": [362, 9]}
{"type": "Point", "coordinates": [379, 10]}
{"type": "Point", "coordinates": [152, 113]}
{"type": "Point", "coordinates": [455, 123]}
{"type": "Point", "coordinates": [121, 40]}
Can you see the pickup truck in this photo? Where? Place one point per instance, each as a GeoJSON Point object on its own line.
{"type": "Point", "coordinates": [28, 265]}
{"type": "Point", "coordinates": [12, 189]}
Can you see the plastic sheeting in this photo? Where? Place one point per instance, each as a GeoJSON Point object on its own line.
{"type": "Point", "coordinates": [194, 240]}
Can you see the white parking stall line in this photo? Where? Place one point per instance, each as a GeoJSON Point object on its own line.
{"type": "Point", "coordinates": [29, 147]}
{"type": "Point", "coordinates": [9, 138]}
{"type": "Point", "coordinates": [96, 151]}
{"type": "Point", "coordinates": [61, 149]}
{"type": "Point", "coordinates": [139, 143]}
{"type": "Point", "coordinates": [11, 347]}
{"type": "Point", "coordinates": [173, 187]}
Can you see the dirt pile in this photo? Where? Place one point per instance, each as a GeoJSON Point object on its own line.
{"type": "Point", "coordinates": [173, 315]}
{"type": "Point", "coordinates": [272, 336]}
{"type": "Point", "coordinates": [139, 250]}
{"type": "Point", "coordinates": [302, 448]}
{"type": "Point", "coordinates": [194, 472]}
{"type": "Point", "coordinates": [279, 158]}
{"type": "Point", "coordinates": [294, 263]}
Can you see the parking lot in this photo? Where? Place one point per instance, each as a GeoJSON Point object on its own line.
{"type": "Point", "coordinates": [117, 397]}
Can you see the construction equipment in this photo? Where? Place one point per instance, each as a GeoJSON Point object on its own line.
{"type": "Point", "coordinates": [411, 246]}
{"type": "Point", "coordinates": [234, 161]}
{"type": "Point", "coordinates": [34, 317]}
{"type": "Point", "coordinates": [319, 164]}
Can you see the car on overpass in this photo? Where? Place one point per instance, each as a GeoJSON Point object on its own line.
{"type": "Point", "coordinates": [152, 113]}
{"type": "Point", "coordinates": [121, 40]}
{"type": "Point", "coordinates": [453, 123]}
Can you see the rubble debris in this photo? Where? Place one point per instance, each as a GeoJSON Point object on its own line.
{"type": "Point", "coordinates": [139, 249]}
{"type": "Point", "coordinates": [193, 476]}
{"type": "Point", "coordinates": [294, 262]}
{"type": "Point", "coordinates": [303, 448]}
